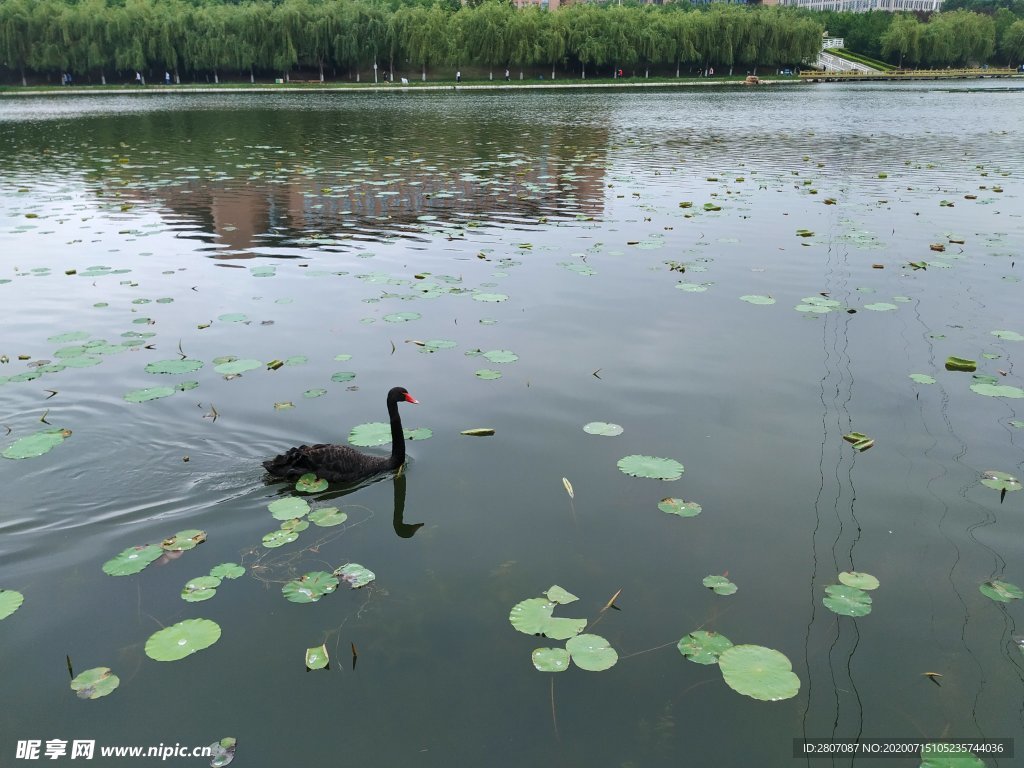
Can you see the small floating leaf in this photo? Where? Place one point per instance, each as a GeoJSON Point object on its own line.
{"type": "Point", "coordinates": [922, 378]}
{"type": "Point", "coordinates": [1001, 591]}
{"type": "Point", "coordinates": [227, 571]}
{"type": "Point", "coordinates": [847, 601]}
{"type": "Point", "coordinates": [961, 364]}
{"type": "Point", "coordinates": [860, 441]}
{"type": "Point", "coordinates": [679, 507]}
{"type": "Point", "coordinates": [311, 393]}
{"type": "Point", "coordinates": [880, 306]}
{"type": "Point", "coordinates": [222, 752]}
{"type": "Point", "coordinates": [760, 673]}
{"type": "Point", "coordinates": [719, 585]}
{"type": "Point", "coordinates": [1008, 335]}
{"type": "Point", "coordinates": [550, 659]}
{"type": "Point", "coordinates": [184, 540]}
{"type": "Point", "coordinates": [10, 601]}
{"type": "Point", "coordinates": [490, 297]}
{"type": "Point", "coordinates": [174, 366]}
{"type": "Point", "coordinates": [501, 356]}
{"type": "Point", "coordinates": [95, 682]}
{"type": "Point", "coordinates": [602, 428]}
{"type": "Point", "coordinates": [402, 317]}
{"type": "Point", "coordinates": [754, 299]}
{"type": "Point", "coordinates": [236, 367]}
{"type": "Point", "coordinates": [233, 317]}
{"type": "Point", "coordinates": [478, 432]}
{"type": "Point", "coordinates": [557, 594]}
{"type": "Point", "coordinates": [487, 374]}
{"type": "Point", "coordinates": [132, 560]}
{"type": "Point", "coordinates": [1000, 481]}
{"type": "Point", "coordinates": [310, 587]}
{"type": "Point", "coordinates": [37, 444]}
{"type": "Point", "coordinates": [998, 390]}
{"type": "Point", "coordinates": [568, 487]}
{"type": "Point", "coordinates": [591, 652]}
{"type": "Point", "coordinates": [533, 617]}
{"type": "Point", "coordinates": [342, 376]}
{"type": "Point", "coordinates": [703, 647]}
{"type": "Point", "coordinates": [326, 517]}
{"type": "Point", "coordinates": [182, 639]}
{"type": "Point", "coordinates": [650, 466]}
{"type": "Point", "coordinates": [289, 507]}
{"type": "Point", "coordinates": [858, 580]}
{"type": "Point", "coordinates": [150, 393]}
{"type": "Point", "coordinates": [199, 589]}
{"type": "Point", "coordinates": [310, 483]}
{"type": "Point", "coordinates": [317, 658]}
{"type": "Point", "coordinates": [355, 575]}
{"type": "Point", "coordinates": [279, 538]}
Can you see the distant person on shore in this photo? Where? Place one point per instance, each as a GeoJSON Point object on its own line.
{"type": "Point", "coordinates": [458, 76]}
{"type": "Point", "coordinates": [138, 78]}
{"type": "Point", "coordinates": [167, 78]}
{"type": "Point", "coordinates": [507, 78]}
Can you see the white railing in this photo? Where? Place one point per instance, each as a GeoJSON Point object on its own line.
{"type": "Point", "coordinates": [830, 63]}
{"type": "Point", "coordinates": [832, 42]}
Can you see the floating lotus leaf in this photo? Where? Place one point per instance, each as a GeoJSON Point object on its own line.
{"type": "Point", "coordinates": [233, 317]}
{"type": "Point", "coordinates": [998, 390]}
{"type": "Point", "coordinates": [529, 616]}
{"type": "Point", "coordinates": [288, 508]}
{"type": "Point", "coordinates": [174, 366]}
{"type": "Point", "coordinates": [36, 444]}
{"type": "Point", "coordinates": [487, 374]}
{"type": "Point", "coordinates": [703, 647]}
{"type": "Point", "coordinates": [378, 433]}
{"type": "Point", "coordinates": [760, 673]}
{"type": "Point", "coordinates": [1000, 481]}
{"type": "Point", "coordinates": [325, 517]}
{"type": "Point", "coordinates": [550, 659]}
{"type": "Point", "coordinates": [651, 466]}
{"type": "Point", "coordinates": [64, 338]}
{"type": "Point", "coordinates": [922, 378]}
{"type": "Point", "coordinates": [182, 639]}
{"type": "Point", "coordinates": [355, 575]}
{"type": "Point", "coordinates": [310, 587]}
{"type": "Point", "coordinates": [558, 628]}
{"type": "Point", "coordinates": [591, 652]}
{"type": "Point", "coordinates": [858, 580]}
{"type": "Point", "coordinates": [10, 601]}
{"type": "Point", "coordinates": [1017, 423]}
{"type": "Point", "coordinates": [402, 317]}
{"type": "Point", "coordinates": [679, 507]}
{"type": "Point", "coordinates": [561, 596]}
{"type": "Point", "coordinates": [311, 393]}
{"type": "Point", "coordinates": [432, 345]}
{"type": "Point", "coordinates": [199, 589]}
{"type": "Point", "coordinates": [296, 360]}
{"type": "Point", "coordinates": [279, 538]}
{"type": "Point", "coordinates": [81, 361]}
{"type": "Point", "coordinates": [95, 682]}
{"type": "Point", "coordinates": [720, 585]}
{"type": "Point", "coordinates": [602, 428]}
{"type": "Point", "coordinates": [317, 658]}
{"type": "Point", "coordinates": [342, 376]}
{"type": "Point", "coordinates": [227, 571]}
{"type": "Point", "coordinates": [310, 483]}
{"type": "Point", "coordinates": [132, 560]}
{"type": "Point", "coordinates": [692, 287]}
{"type": "Point", "coordinates": [236, 367]}
{"type": "Point", "coordinates": [847, 601]}
{"type": "Point", "coordinates": [880, 306]}
{"type": "Point", "coordinates": [490, 297]}
{"type": "Point", "coordinates": [150, 393]}
{"type": "Point", "coordinates": [1001, 591]}
{"type": "Point", "coordinates": [183, 540]}
{"type": "Point", "coordinates": [222, 752]}
{"type": "Point", "coordinates": [754, 299]}
{"type": "Point", "coordinates": [944, 760]}
{"type": "Point", "coordinates": [295, 524]}
{"type": "Point", "coordinates": [961, 364]}
{"type": "Point", "coordinates": [1008, 335]}
{"type": "Point", "coordinates": [501, 356]}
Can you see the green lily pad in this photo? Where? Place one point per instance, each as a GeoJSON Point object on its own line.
{"type": "Point", "coordinates": [326, 517]}
{"type": "Point", "coordinates": [533, 617]}
{"type": "Point", "coordinates": [922, 378]}
{"type": "Point", "coordinates": [1008, 335]}
{"type": "Point", "coordinates": [692, 287]}
{"type": "Point", "coordinates": [847, 601]}
{"type": "Point", "coordinates": [402, 317]}
{"type": "Point", "coordinates": [317, 658]}
{"type": "Point", "coordinates": [378, 433]}
{"type": "Point", "coordinates": [487, 374]}
{"type": "Point", "coordinates": [184, 540]}
{"type": "Point", "coordinates": [174, 366]}
{"type": "Point", "coordinates": [999, 481]}
{"type": "Point", "coordinates": [310, 483]}
{"type": "Point", "coordinates": [754, 299]}
{"type": "Point", "coordinates": [602, 428]}
{"type": "Point", "coordinates": [311, 393]}
{"type": "Point", "coordinates": [651, 466]}
{"type": "Point", "coordinates": [342, 376]}
{"type": "Point", "coordinates": [227, 571]}
{"type": "Point", "coordinates": [182, 639]}
{"type": "Point", "coordinates": [10, 601]}
{"type": "Point", "coordinates": [65, 338]}
{"type": "Point", "coordinates": [94, 683]}
{"type": "Point", "coordinates": [591, 652]}
{"type": "Point", "coordinates": [288, 508]}
{"type": "Point", "coordinates": [295, 524]}
{"type": "Point", "coordinates": [703, 647]}
{"type": "Point", "coordinates": [199, 589]}
{"type": "Point", "coordinates": [944, 760]}
{"type": "Point", "coordinates": [222, 752]}
{"type": "Point", "coordinates": [501, 356]}
{"type": "Point", "coordinates": [1001, 591]}
{"type": "Point", "coordinates": [149, 393]}
{"type": "Point", "coordinates": [961, 364]}
{"type": "Point", "coordinates": [719, 585]}
{"type": "Point", "coordinates": [998, 390]}
{"type": "Point", "coordinates": [233, 317]}
{"type": "Point", "coordinates": [550, 659]}
{"type": "Point", "coordinates": [279, 538]}
{"type": "Point", "coordinates": [561, 596]}
{"type": "Point", "coordinates": [490, 297]}
{"type": "Point", "coordinates": [880, 306]}
{"type": "Point", "coordinates": [36, 444]}
{"type": "Point", "coordinates": [132, 560]}
{"type": "Point", "coordinates": [760, 673]}
{"type": "Point", "coordinates": [858, 580]}
{"type": "Point", "coordinates": [310, 587]}
{"type": "Point", "coordinates": [236, 367]}
{"type": "Point", "coordinates": [679, 507]}
{"type": "Point", "coordinates": [355, 575]}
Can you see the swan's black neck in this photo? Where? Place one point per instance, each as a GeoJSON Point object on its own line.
{"type": "Point", "coordinates": [397, 436]}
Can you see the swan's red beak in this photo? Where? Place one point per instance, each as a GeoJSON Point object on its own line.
{"type": "Point", "coordinates": [410, 399]}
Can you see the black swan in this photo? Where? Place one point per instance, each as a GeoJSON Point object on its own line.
{"type": "Point", "coordinates": [339, 463]}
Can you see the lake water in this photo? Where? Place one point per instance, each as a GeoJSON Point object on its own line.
{"type": "Point", "coordinates": [305, 228]}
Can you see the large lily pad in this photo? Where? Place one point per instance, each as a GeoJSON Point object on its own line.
{"type": "Point", "coordinates": [379, 433]}
{"type": "Point", "coordinates": [591, 652]}
{"type": "Point", "coordinates": [132, 560]}
{"type": "Point", "coordinates": [651, 466]}
{"type": "Point", "coordinates": [185, 365]}
{"type": "Point", "coordinates": [501, 356]}
{"type": "Point", "coordinates": [37, 444]}
{"type": "Point", "coordinates": [997, 390]}
{"type": "Point", "coordinates": [703, 647]}
{"type": "Point", "coordinates": [755, 299]}
{"type": "Point", "coordinates": [602, 428]}
{"type": "Point", "coordinates": [184, 540]}
{"type": "Point", "coordinates": [355, 575]}
{"type": "Point", "coordinates": [847, 601]}
{"type": "Point", "coordinates": [288, 508]}
{"type": "Point", "coordinates": [720, 585]}
{"type": "Point", "coordinates": [858, 580]}
{"type": "Point", "coordinates": [922, 378]}
{"type": "Point", "coordinates": [310, 587]}
{"type": "Point", "coordinates": [1000, 481]}
{"type": "Point", "coordinates": [758, 672]}
{"type": "Point", "coordinates": [550, 659]}
{"type": "Point", "coordinates": [94, 683]}
{"type": "Point", "coordinates": [1008, 335]}
{"type": "Point", "coordinates": [227, 571]}
{"type": "Point", "coordinates": [182, 639]}
{"type": "Point", "coordinates": [533, 617]}
{"type": "Point", "coordinates": [679, 507]}
{"type": "Point", "coordinates": [10, 601]}
{"type": "Point", "coordinates": [236, 367]}
{"type": "Point", "coordinates": [325, 517]}
{"type": "Point", "coordinates": [279, 538]}
{"type": "Point", "coordinates": [1001, 591]}
{"type": "Point", "coordinates": [199, 589]}
{"type": "Point", "coordinates": [149, 393]}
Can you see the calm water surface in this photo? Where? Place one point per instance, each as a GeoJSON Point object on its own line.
{"type": "Point", "coordinates": [302, 228]}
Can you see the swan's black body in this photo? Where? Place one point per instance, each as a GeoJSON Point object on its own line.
{"type": "Point", "coordinates": [339, 463]}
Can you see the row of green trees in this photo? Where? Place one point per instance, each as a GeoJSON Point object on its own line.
{"type": "Point", "coordinates": [100, 39]}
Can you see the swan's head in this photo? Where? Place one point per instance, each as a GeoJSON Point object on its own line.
{"type": "Point", "coordinates": [399, 394]}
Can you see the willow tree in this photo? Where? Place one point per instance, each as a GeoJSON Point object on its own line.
{"type": "Point", "coordinates": [16, 34]}
{"type": "Point", "coordinates": [526, 37]}
{"type": "Point", "coordinates": [903, 39]}
{"type": "Point", "coordinates": [587, 38]}
{"type": "Point", "coordinates": [321, 23]}
{"type": "Point", "coordinates": [422, 33]}
{"type": "Point", "coordinates": [362, 36]}
{"type": "Point", "coordinates": [485, 33]}
{"type": "Point", "coordinates": [681, 29]}
{"type": "Point", "coordinates": [1012, 43]}
{"type": "Point", "coordinates": [288, 26]}
{"type": "Point", "coordinates": [553, 40]}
